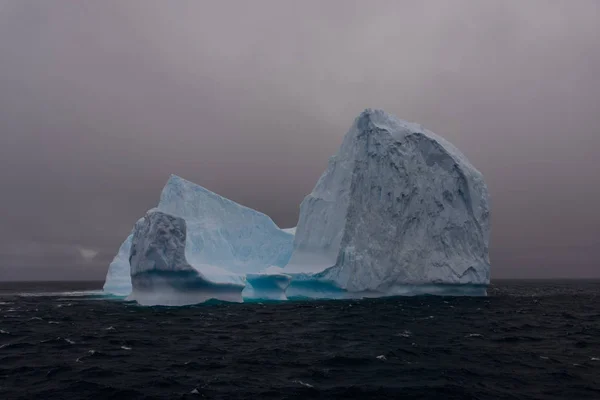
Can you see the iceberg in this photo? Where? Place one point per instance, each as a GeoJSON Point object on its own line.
{"type": "Point", "coordinates": [223, 242]}
{"type": "Point", "coordinates": [398, 211]}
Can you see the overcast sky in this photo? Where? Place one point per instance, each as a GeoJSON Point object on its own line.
{"type": "Point", "coordinates": [100, 101]}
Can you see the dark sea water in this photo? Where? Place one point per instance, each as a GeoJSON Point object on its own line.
{"type": "Point", "coordinates": [526, 340]}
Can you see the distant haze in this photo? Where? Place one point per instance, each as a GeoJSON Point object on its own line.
{"type": "Point", "coordinates": [101, 100]}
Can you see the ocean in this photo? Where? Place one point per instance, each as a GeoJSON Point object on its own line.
{"type": "Point", "coordinates": [526, 340]}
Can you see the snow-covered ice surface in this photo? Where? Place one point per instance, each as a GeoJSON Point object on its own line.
{"type": "Point", "coordinates": [398, 211]}
{"type": "Point", "coordinates": [224, 233]}
{"type": "Point", "coordinates": [290, 230]}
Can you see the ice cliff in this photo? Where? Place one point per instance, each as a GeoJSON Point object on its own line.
{"type": "Point", "coordinates": [399, 210]}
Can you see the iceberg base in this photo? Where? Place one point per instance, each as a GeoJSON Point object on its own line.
{"type": "Point", "coordinates": [305, 287]}
{"type": "Point", "coordinates": [267, 286]}
{"type": "Point", "coordinates": [160, 288]}
{"type": "Point", "coordinates": [438, 289]}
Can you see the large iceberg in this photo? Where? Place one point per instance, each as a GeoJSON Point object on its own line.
{"type": "Point", "coordinates": [223, 242]}
{"type": "Point", "coordinates": [398, 211]}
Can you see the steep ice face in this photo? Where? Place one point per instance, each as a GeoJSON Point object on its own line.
{"type": "Point", "coordinates": [224, 233]}
{"type": "Point", "coordinates": [161, 273]}
{"type": "Point", "coordinates": [118, 278]}
{"type": "Point", "coordinates": [318, 235]}
{"type": "Point", "coordinates": [398, 206]}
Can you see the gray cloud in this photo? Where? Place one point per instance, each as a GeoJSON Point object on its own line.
{"type": "Point", "coordinates": [101, 101]}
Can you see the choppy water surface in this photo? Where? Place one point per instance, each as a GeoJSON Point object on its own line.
{"type": "Point", "coordinates": [527, 340]}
